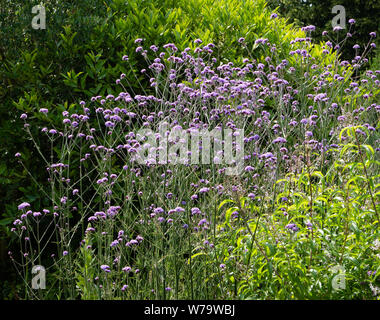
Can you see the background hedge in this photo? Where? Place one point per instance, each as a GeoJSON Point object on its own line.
{"type": "Point", "coordinates": [318, 13]}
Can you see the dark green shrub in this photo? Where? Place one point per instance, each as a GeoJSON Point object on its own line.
{"type": "Point", "coordinates": [318, 13]}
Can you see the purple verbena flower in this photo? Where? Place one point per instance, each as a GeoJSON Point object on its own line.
{"type": "Point", "coordinates": [279, 140]}
{"type": "Point", "coordinates": [23, 205]}
{"type": "Point", "coordinates": [105, 268]}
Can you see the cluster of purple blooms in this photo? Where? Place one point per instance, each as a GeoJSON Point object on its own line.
{"type": "Point", "coordinates": [292, 227]}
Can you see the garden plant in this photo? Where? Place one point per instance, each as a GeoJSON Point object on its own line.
{"type": "Point", "coordinates": [283, 203]}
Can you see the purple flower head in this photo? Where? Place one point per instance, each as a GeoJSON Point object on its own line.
{"type": "Point", "coordinates": [279, 140]}
{"type": "Point", "coordinates": [341, 118]}
{"type": "Point", "coordinates": [127, 269]}
{"type": "Point", "coordinates": [133, 241]}
{"type": "Point", "coordinates": [179, 209]}
{"type": "Point", "coordinates": [310, 28]}
{"type": "Point", "coordinates": [235, 214]}
{"type": "Point", "coordinates": [267, 155]}
{"type": "Point", "coordinates": [158, 210]}
{"type": "Point", "coordinates": [202, 222]}
{"type": "Point", "coordinates": [321, 97]}
{"type": "Point", "coordinates": [337, 28]}
{"type": "Point", "coordinates": [171, 46]}
{"type": "Point", "coordinates": [154, 48]}
{"type": "Point", "coordinates": [273, 15]}
{"type": "Point", "coordinates": [114, 243]}
{"type": "Point", "coordinates": [256, 137]}
{"type": "Point", "coordinates": [292, 227]}
{"type": "Point", "coordinates": [194, 197]}
{"type": "Point", "coordinates": [17, 222]}
{"type": "Point", "coordinates": [109, 124]}
{"type": "Point", "coordinates": [204, 190]}
{"type": "Point", "coordinates": [105, 268]}
{"type": "Point", "coordinates": [113, 210]}
{"type": "Point", "coordinates": [99, 214]}
{"type": "Point", "coordinates": [23, 205]}
{"type": "Point", "coordinates": [195, 210]}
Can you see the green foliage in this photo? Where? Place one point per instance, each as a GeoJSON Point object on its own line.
{"type": "Point", "coordinates": [337, 223]}
{"type": "Point", "coordinates": [375, 62]}
{"type": "Point", "coordinates": [85, 271]}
